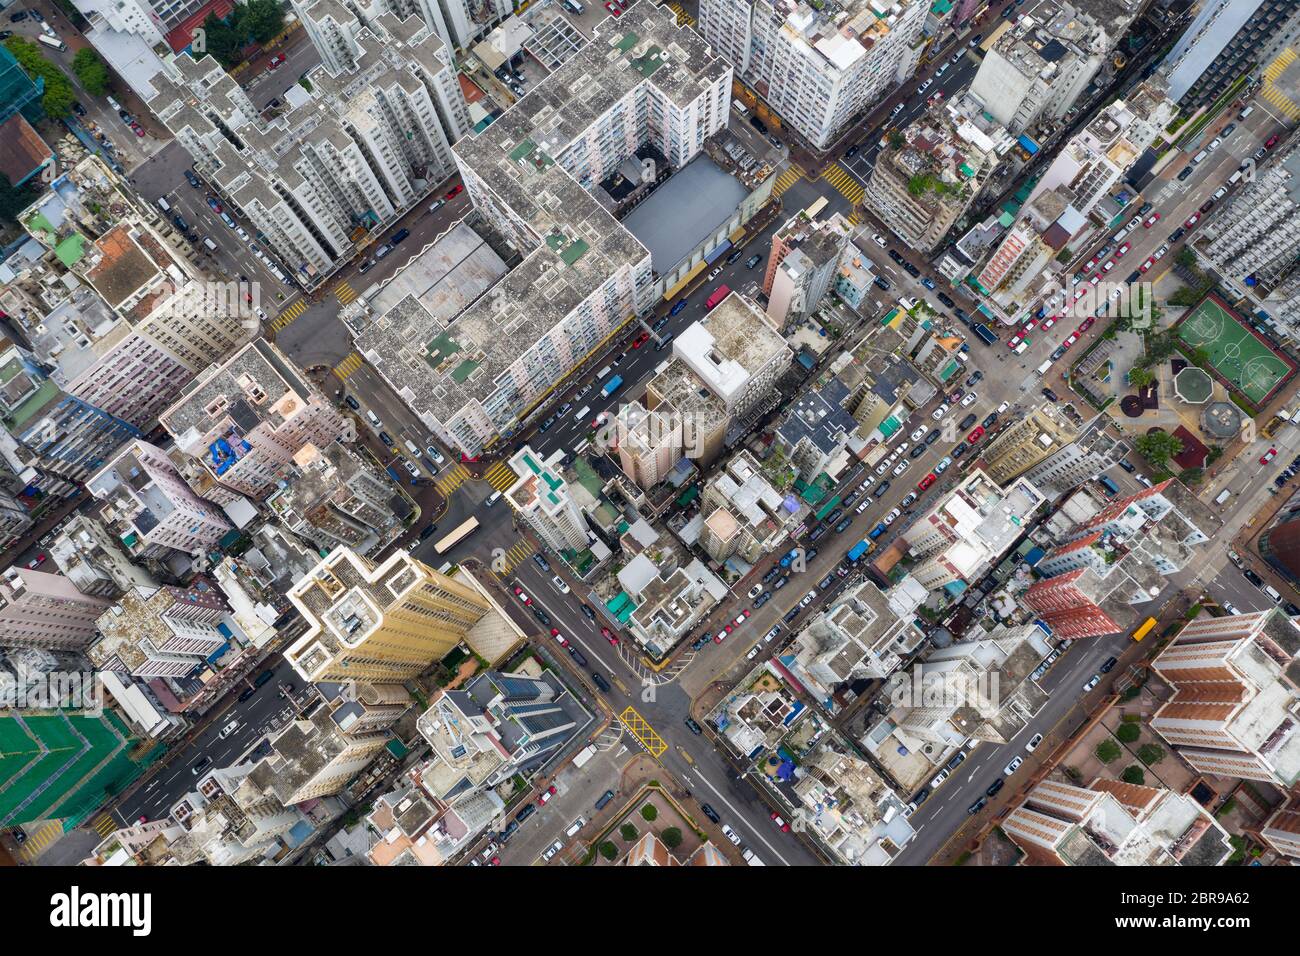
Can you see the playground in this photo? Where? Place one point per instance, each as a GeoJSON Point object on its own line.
{"type": "Point", "coordinates": [1241, 358]}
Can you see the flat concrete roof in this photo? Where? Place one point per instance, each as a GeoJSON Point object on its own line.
{"type": "Point", "coordinates": [680, 213]}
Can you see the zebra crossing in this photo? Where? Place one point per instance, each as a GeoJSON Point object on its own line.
{"type": "Point", "coordinates": [845, 184]}
{"type": "Point", "coordinates": [104, 824]}
{"type": "Point", "coordinates": [344, 293]}
{"type": "Point", "coordinates": [684, 19]}
{"type": "Point", "coordinates": [1271, 94]}
{"type": "Point", "coordinates": [791, 175]}
{"type": "Point", "coordinates": [348, 366]}
{"type": "Point", "coordinates": [288, 314]}
{"type": "Point", "coordinates": [521, 552]}
{"type": "Point", "coordinates": [40, 840]}
{"type": "Point", "coordinates": [500, 477]}
{"type": "Point", "coordinates": [452, 479]}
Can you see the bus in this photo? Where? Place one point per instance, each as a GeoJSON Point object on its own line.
{"type": "Point", "coordinates": [720, 293]}
{"type": "Point", "coordinates": [456, 537]}
{"type": "Point", "coordinates": [53, 42]}
{"type": "Point", "coordinates": [1145, 629]}
{"type": "Point", "coordinates": [812, 211]}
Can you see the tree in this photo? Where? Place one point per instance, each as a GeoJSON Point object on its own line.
{"type": "Point", "coordinates": [222, 41]}
{"type": "Point", "coordinates": [1140, 377]}
{"type": "Point", "coordinates": [608, 850]}
{"type": "Point", "coordinates": [91, 71]}
{"type": "Point", "coordinates": [627, 832]}
{"type": "Point", "coordinates": [1186, 258]}
{"type": "Point", "coordinates": [13, 201]}
{"type": "Point", "coordinates": [649, 812]}
{"type": "Point", "coordinates": [672, 838]}
{"type": "Point", "coordinates": [1150, 754]}
{"type": "Point", "coordinates": [59, 94]}
{"type": "Point", "coordinates": [1133, 774]}
{"type": "Point", "coordinates": [1158, 447]}
{"type": "Point", "coordinates": [1107, 751]}
{"type": "Point", "coordinates": [261, 19]}
{"type": "Point", "coordinates": [1128, 733]}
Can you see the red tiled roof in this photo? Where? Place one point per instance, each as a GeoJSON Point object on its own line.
{"type": "Point", "coordinates": [1194, 453]}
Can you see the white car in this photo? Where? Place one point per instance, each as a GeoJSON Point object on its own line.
{"type": "Point", "coordinates": [1034, 741]}
{"type": "Point", "coordinates": [229, 729]}
{"type": "Point", "coordinates": [940, 468]}
{"type": "Point", "coordinates": [553, 849]}
{"type": "Point", "coordinates": [902, 447]}
{"type": "Point", "coordinates": [882, 467]}
{"type": "Point", "coordinates": [969, 399]}
{"type": "Point", "coordinates": [889, 518]}
{"type": "Point", "coordinates": [939, 412]}
{"type": "Point", "coordinates": [1012, 767]}
{"type": "Point", "coordinates": [239, 231]}
{"type": "Point", "coordinates": [1230, 608]}
{"type": "Point", "coordinates": [731, 834]}
{"type": "Point", "coordinates": [415, 472]}
{"type": "Point", "coordinates": [559, 584]}
{"type": "Point", "coordinates": [755, 591]}
{"type": "Point", "coordinates": [920, 432]}
{"type": "Point", "coordinates": [808, 598]}
{"type": "Point", "coordinates": [1096, 679]}
{"type": "Point", "coordinates": [942, 776]}
{"type": "Point", "coordinates": [900, 468]}
{"type": "Point", "coordinates": [879, 240]}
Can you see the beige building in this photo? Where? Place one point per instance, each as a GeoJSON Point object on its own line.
{"type": "Point", "coordinates": [1233, 713]}
{"type": "Point", "coordinates": [743, 513]}
{"type": "Point", "coordinates": [39, 609]}
{"type": "Point", "coordinates": [160, 632]}
{"type": "Point", "coordinates": [1029, 441]}
{"type": "Point", "coordinates": [378, 623]}
{"type": "Point", "coordinates": [540, 497]}
{"type": "Point", "coordinates": [315, 757]}
{"type": "Point", "coordinates": [1111, 823]}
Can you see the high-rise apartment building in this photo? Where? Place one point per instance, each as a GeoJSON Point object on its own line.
{"type": "Point", "coordinates": [315, 757]}
{"type": "Point", "coordinates": [339, 162]}
{"type": "Point", "coordinates": [96, 561]}
{"type": "Point", "coordinates": [1233, 712]}
{"type": "Point", "coordinates": [1082, 459]}
{"type": "Point", "coordinates": [542, 500]}
{"type": "Point", "coordinates": [642, 82]}
{"type": "Point", "coordinates": [1112, 823]}
{"type": "Point", "coordinates": [160, 632]}
{"type": "Point", "coordinates": [1027, 442]}
{"type": "Point", "coordinates": [817, 66]}
{"type": "Point", "coordinates": [736, 353]}
{"type": "Point", "coordinates": [149, 506]}
{"type": "Point", "coordinates": [1227, 39]}
{"type": "Point", "coordinates": [247, 418]}
{"type": "Point", "coordinates": [378, 623]}
{"type": "Point", "coordinates": [802, 266]}
{"type": "Point", "coordinates": [39, 609]}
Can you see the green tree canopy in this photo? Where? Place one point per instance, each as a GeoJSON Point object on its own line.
{"type": "Point", "coordinates": [1128, 733]}
{"type": "Point", "coordinates": [59, 94]}
{"type": "Point", "coordinates": [1133, 774]}
{"type": "Point", "coordinates": [1107, 751]}
{"type": "Point", "coordinates": [672, 838]}
{"type": "Point", "coordinates": [1140, 377]}
{"type": "Point", "coordinates": [1158, 447]}
{"type": "Point", "coordinates": [91, 71]}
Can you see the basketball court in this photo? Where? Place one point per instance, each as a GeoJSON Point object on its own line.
{"type": "Point", "coordinates": [1240, 357]}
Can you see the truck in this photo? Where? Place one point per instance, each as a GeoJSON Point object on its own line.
{"type": "Point", "coordinates": [1108, 483]}
{"type": "Point", "coordinates": [53, 42]}
{"type": "Point", "coordinates": [612, 386]}
{"type": "Point", "coordinates": [857, 551]}
{"type": "Point", "coordinates": [720, 293]}
{"type": "Point", "coordinates": [987, 335]}
{"type": "Point", "coordinates": [585, 754]}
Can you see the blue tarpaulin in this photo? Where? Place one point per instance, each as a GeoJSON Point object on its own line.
{"type": "Point", "coordinates": [1027, 144]}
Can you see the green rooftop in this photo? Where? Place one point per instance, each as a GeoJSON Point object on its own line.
{"type": "Point", "coordinates": [440, 348]}
{"type": "Point", "coordinates": [464, 370]}
{"type": "Point", "coordinates": [71, 249]}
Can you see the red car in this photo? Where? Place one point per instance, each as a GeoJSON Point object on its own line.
{"type": "Point", "coordinates": [1086, 324]}
{"type": "Point", "coordinates": [137, 129]}
{"type": "Point", "coordinates": [608, 635]}
{"type": "Point", "coordinates": [496, 861]}
{"type": "Point", "coordinates": [454, 191]}
{"type": "Point", "coordinates": [519, 593]}
{"type": "Point", "coordinates": [776, 818]}
{"type": "Point", "coordinates": [1151, 220]}
{"type": "Point", "coordinates": [1268, 456]}
{"type": "Point", "coordinates": [1147, 265]}
{"type": "Point", "coordinates": [1272, 141]}
{"type": "Point", "coordinates": [276, 61]}
{"type": "Point", "coordinates": [1030, 326]}
{"type": "Point", "coordinates": [1074, 337]}
{"type": "Point", "coordinates": [1192, 220]}
{"type": "Point", "coordinates": [614, 11]}
{"type": "Point", "coordinates": [546, 795]}
{"type": "Point", "coordinates": [926, 482]}
{"type": "Point", "coordinates": [1121, 251]}
{"type": "Point", "coordinates": [1015, 340]}
{"type": "Point", "coordinates": [640, 340]}
{"type": "Point", "coordinates": [976, 434]}
{"type": "Point", "coordinates": [1049, 322]}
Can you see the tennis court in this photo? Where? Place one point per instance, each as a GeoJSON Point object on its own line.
{"type": "Point", "coordinates": [1241, 358]}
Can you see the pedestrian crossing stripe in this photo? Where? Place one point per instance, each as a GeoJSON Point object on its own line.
{"type": "Point", "coordinates": [521, 552]}
{"type": "Point", "coordinates": [1279, 64]}
{"type": "Point", "coordinates": [288, 314]}
{"type": "Point", "coordinates": [344, 293]}
{"type": "Point", "coordinates": [845, 184]}
{"type": "Point", "coordinates": [855, 219]}
{"type": "Point", "coordinates": [500, 477]}
{"type": "Point", "coordinates": [104, 824]}
{"type": "Point", "coordinates": [684, 19]}
{"type": "Point", "coordinates": [39, 840]}
{"type": "Point", "coordinates": [1277, 98]}
{"type": "Point", "coordinates": [452, 480]}
{"type": "Point", "coordinates": [348, 366]}
{"type": "Point", "coordinates": [791, 175]}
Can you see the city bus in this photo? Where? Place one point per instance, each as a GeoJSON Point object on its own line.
{"type": "Point", "coordinates": [456, 537]}
{"type": "Point", "coordinates": [812, 211]}
{"type": "Point", "coordinates": [1145, 629]}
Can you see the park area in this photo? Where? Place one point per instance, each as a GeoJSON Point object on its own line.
{"type": "Point", "coordinates": [1242, 359]}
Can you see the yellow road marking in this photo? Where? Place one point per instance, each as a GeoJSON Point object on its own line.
{"type": "Point", "coordinates": [640, 728]}
{"type": "Point", "coordinates": [348, 366]}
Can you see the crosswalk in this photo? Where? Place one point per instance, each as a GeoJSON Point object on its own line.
{"type": "Point", "coordinates": [844, 183]}
{"type": "Point", "coordinates": [348, 366]}
{"type": "Point", "coordinates": [288, 314]}
{"type": "Point", "coordinates": [791, 175]}
{"type": "Point", "coordinates": [521, 552]}
{"type": "Point", "coordinates": [104, 824]}
{"type": "Point", "coordinates": [500, 477]}
{"type": "Point", "coordinates": [41, 839]}
{"type": "Point", "coordinates": [452, 479]}
{"type": "Point", "coordinates": [1274, 96]}
{"type": "Point", "coordinates": [684, 19]}
{"type": "Point", "coordinates": [344, 293]}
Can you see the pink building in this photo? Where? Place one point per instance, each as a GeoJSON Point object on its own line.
{"type": "Point", "coordinates": [38, 609]}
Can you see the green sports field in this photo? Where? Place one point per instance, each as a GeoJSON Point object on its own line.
{"type": "Point", "coordinates": [1239, 357]}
